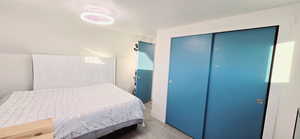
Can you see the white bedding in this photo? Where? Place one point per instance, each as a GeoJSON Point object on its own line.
{"type": "Point", "coordinates": [76, 111]}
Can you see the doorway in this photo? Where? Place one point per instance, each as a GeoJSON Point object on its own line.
{"type": "Point", "coordinates": [144, 71]}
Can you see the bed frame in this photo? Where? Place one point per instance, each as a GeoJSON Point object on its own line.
{"type": "Point", "coordinates": [44, 128]}
{"type": "Point", "coordinates": [113, 131]}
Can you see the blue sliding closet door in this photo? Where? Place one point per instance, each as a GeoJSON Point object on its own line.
{"type": "Point", "coordinates": [188, 80]}
{"type": "Point", "coordinates": [239, 83]}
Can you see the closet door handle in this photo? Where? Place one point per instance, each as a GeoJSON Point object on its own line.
{"type": "Point", "coordinates": [260, 101]}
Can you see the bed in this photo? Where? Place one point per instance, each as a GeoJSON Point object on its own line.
{"type": "Point", "coordinates": [83, 112]}
{"type": "Point", "coordinates": [78, 93]}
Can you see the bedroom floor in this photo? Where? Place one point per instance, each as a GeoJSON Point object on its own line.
{"type": "Point", "coordinates": [154, 129]}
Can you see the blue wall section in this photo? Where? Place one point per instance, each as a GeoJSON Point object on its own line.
{"type": "Point", "coordinates": [144, 71]}
{"type": "Point", "coordinates": [239, 76]}
{"type": "Point", "coordinates": [189, 68]}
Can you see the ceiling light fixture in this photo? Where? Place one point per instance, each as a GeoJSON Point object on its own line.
{"type": "Point", "coordinates": [96, 15]}
{"type": "Point", "coordinates": [96, 18]}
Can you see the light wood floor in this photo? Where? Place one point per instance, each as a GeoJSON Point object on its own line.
{"type": "Point", "coordinates": [153, 129]}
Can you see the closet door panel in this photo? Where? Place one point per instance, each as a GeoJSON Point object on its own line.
{"type": "Point", "coordinates": [239, 83]}
{"type": "Point", "coordinates": [188, 80]}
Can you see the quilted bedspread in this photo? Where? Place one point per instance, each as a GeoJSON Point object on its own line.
{"type": "Point", "coordinates": [76, 111]}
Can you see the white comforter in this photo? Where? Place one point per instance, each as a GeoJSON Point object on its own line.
{"type": "Point", "coordinates": [76, 111]}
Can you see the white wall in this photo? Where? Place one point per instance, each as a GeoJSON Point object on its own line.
{"type": "Point", "coordinates": [29, 30]}
{"type": "Point", "coordinates": [284, 94]}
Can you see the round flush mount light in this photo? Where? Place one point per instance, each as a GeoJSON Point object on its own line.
{"type": "Point", "coordinates": [96, 18]}
{"type": "Point", "coordinates": [96, 15]}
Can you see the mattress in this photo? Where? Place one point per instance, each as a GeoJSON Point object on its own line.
{"type": "Point", "coordinates": [75, 111]}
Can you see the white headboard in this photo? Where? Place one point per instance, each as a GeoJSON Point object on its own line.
{"type": "Point", "coordinates": [15, 72]}
{"type": "Point", "coordinates": [54, 71]}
